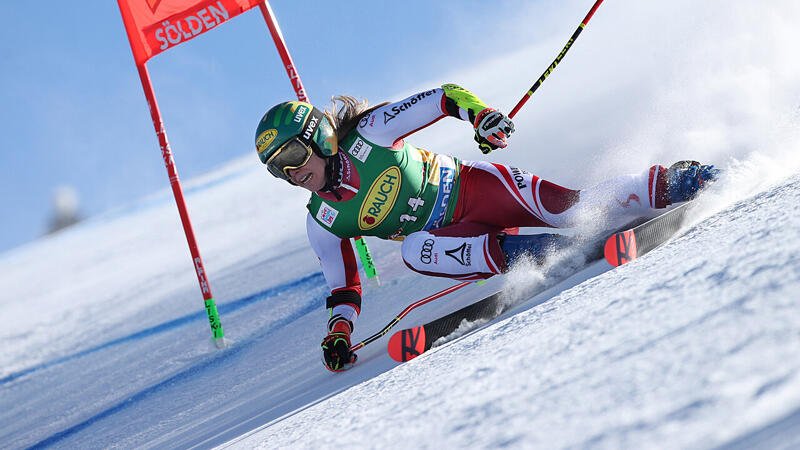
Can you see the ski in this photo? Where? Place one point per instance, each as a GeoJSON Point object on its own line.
{"type": "Point", "coordinates": [622, 247]}
{"type": "Point", "coordinates": [625, 246]}
{"type": "Point", "coordinates": [409, 343]}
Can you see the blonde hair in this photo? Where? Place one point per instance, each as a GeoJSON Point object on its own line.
{"type": "Point", "coordinates": [345, 112]}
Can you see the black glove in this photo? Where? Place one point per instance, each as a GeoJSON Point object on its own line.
{"type": "Point", "coordinates": [336, 348]}
{"type": "Point", "coordinates": [491, 130]}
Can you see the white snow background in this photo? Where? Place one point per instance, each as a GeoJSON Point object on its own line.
{"type": "Point", "coordinates": [105, 342]}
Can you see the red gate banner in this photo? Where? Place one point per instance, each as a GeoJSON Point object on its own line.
{"type": "Point", "coordinates": [154, 26]}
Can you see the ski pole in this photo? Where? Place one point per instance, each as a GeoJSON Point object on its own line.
{"type": "Point", "coordinates": [405, 312]}
{"type": "Point", "coordinates": [514, 111]}
{"type": "Point", "coordinates": [556, 61]}
{"type": "Point", "coordinates": [366, 260]}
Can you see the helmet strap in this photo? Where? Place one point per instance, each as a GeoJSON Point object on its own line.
{"type": "Point", "coordinates": [333, 175]}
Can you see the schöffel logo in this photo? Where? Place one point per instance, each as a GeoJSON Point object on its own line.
{"type": "Point", "coordinates": [380, 198]}
{"type": "Point", "coordinates": [407, 103]}
{"type": "Point", "coordinates": [462, 254]}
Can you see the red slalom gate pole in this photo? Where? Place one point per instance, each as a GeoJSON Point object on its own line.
{"type": "Point", "coordinates": [177, 191]}
{"type": "Point", "coordinates": [283, 51]}
{"type": "Point", "coordinates": [556, 61]}
{"type": "Point", "coordinates": [274, 29]}
{"type": "Point", "coordinates": [405, 312]}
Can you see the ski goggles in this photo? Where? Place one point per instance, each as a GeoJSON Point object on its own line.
{"type": "Point", "coordinates": [294, 154]}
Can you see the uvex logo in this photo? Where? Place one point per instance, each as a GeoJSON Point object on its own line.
{"type": "Point", "coordinates": [380, 198]}
{"type": "Point", "coordinates": [310, 127]}
{"type": "Point", "coordinates": [300, 113]}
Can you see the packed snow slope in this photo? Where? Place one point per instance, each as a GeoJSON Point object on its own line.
{"type": "Point", "coordinates": [693, 346]}
{"type": "Point", "coordinates": [106, 344]}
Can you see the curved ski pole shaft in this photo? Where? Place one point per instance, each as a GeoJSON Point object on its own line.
{"type": "Point", "coordinates": [555, 61]}
{"type": "Point", "coordinates": [405, 312]}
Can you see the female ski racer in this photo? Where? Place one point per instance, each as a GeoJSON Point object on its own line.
{"type": "Point", "coordinates": [457, 219]}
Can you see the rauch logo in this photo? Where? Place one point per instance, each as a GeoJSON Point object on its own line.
{"type": "Point", "coordinates": [265, 138]}
{"type": "Point", "coordinates": [380, 198]}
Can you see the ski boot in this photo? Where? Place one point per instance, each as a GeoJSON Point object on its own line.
{"type": "Point", "coordinates": [686, 178]}
{"type": "Point", "coordinates": [535, 246]}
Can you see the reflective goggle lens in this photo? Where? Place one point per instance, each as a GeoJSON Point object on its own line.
{"type": "Point", "coordinates": [291, 155]}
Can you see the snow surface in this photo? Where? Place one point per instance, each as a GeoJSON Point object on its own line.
{"type": "Point", "coordinates": [106, 344]}
{"type": "Point", "coordinates": [693, 346]}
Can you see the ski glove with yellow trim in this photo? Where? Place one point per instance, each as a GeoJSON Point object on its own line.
{"type": "Point", "coordinates": [336, 348]}
{"type": "Point", "coordinates": [492, 128]}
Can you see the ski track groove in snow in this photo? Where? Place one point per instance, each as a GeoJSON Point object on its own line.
{"type": "Point", "coordinates": [210, 363]}
{"type": "Point", "coordinates": [227, 308]}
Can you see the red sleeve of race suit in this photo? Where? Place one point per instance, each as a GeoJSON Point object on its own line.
{"type": "Point", "coordinates": [338, 264]}
{"type": "Point", "coordinates": [389, 124]}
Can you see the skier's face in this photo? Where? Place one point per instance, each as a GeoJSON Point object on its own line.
{"type": "Point", "coordinates": [310, 176]}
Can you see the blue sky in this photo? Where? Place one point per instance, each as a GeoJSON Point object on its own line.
{"type": "Point", "coordinates": [646, 83]}
{"type": "Point", "coordinates": [73, 111]}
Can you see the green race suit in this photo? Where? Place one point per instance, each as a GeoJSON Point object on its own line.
{"type": "Point", "coordinates": [389, 188]}
{"type": "Point", "coordinates": [399, 188]}
{"type": "Point", "coordinates": [399, 191]}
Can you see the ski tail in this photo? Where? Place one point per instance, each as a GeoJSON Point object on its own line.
{"type": "Point", "coordinates": [625, 246]}
{"type": "Point", "coordinates": [407, 344]}
{"type": "Point", "coordinates": [621, 248]}
{"type": "Point", "coordinates": [633, 241]}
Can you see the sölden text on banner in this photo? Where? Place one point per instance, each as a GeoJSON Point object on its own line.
{"type": "Point", "coordinates": [154, 26]}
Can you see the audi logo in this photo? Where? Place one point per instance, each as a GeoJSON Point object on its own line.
{"type": "Point", "coordinates": [427, 249]}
